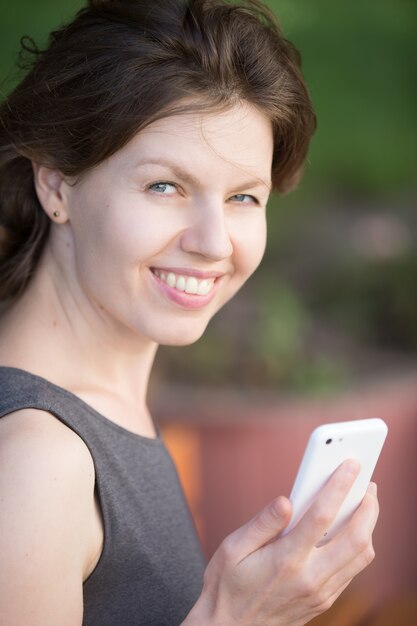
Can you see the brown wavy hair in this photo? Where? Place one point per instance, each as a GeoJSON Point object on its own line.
{"type": "Point", "coordinates": [117, 67]}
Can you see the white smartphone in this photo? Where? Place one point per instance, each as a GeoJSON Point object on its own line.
{"type": "Point", "coordinates": [329, 445]}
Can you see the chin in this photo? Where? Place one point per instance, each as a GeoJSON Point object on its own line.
{"type": "Point", "coordinates": [180, 337]}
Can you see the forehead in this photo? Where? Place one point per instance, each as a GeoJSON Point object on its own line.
{"type": "Point", "coordinates": [240, 137]}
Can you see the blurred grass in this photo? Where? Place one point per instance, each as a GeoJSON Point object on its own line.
{"type": "Point", "coordinates": [320, 304]}
{"type": "Point", "coordinates": [36, 19]}
{"type": "Point", "coordinates": [360, 62]}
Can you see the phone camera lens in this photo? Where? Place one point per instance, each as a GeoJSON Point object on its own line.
{"type": "Point", "coordinates": [329, 441]}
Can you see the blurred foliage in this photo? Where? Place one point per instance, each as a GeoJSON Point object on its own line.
{"type": "Point", "coordinates": [378, 302]}
{"type": "Point", "coordinates": [360, 62]}
{"type": "Point", "coordinates": [337, 288]}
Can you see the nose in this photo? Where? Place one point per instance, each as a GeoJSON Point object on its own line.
{"type": "Point", "coordinates": [209, 233]}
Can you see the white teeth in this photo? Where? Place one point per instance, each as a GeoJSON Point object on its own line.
{"type": "Point", "coordinates": [204, 287]}
{"type": "Point", "coordinates": [171, 279]}
{"type": "Point", "coordinates": [189, 284]}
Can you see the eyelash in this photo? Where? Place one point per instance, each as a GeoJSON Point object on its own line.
{"type": "Point", "coordinates": [167, 183]}
{"type": "Point", "coordinates": [246, 195]}
{"type": "Point", "coordinates": [160, 183]}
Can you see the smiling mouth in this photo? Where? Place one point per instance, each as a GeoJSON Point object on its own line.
{"type": "Point", "coordinates": [188, 284]}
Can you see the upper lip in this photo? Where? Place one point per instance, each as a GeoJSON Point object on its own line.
{"type": "Point", "coordinates": [184, 271]}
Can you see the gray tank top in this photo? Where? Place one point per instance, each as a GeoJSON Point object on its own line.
{"type": "Point", "coordinates": [151, 568]}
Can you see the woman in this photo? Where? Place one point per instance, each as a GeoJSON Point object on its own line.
{"type": "Point", "coordinates": [138, 155]}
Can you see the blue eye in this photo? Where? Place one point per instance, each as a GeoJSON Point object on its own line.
{"type": "Point", "coordinates": [244, 198]}
{"type": "Point", "coordinates": [163, 188]}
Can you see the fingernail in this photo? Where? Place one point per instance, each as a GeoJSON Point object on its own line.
{"type": "Point", "coordinates": [373, 489]}
{"type": "Point", "coordinates": [352, 466]}
{"type": "Point", "coordinates": [280, 507]}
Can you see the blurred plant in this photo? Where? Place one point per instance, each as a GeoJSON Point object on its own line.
{"type": "Point", "coordinates": [261, 345]}
{"type": "Point", "coordinates": [361, 66]}
{"type": "Point", "coordinates": [378, 302]}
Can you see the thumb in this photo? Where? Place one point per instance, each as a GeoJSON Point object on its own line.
{"type": "Point", "coordinates": [263, 528]}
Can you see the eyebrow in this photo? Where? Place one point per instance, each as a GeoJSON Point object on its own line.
{"type": "Point", "coordinates": [180, 172]}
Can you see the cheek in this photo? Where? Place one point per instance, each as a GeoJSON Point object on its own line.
{"type": "Point", "coordinates": [250, 242]}
{"type": "Point", "coordinates": [109, 235]}
{"type": "Point", "coordinates": [137, 239]}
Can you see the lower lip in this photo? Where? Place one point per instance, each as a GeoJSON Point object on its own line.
{"type": "Point", "coordinates": [185, 300]}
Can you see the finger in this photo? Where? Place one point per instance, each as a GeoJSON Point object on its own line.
{"type": "Point", "coordinates": [319, 517]}
{"type": "Point", "coordinates": [264, 527]}
{"type": "Point", "coordinates": [351, 550]}
{"type": "Point", "coordinates": [343, 578]}
{"type": "Point", "coordinates": [333, 597]}
{"type": "Point", "coordinates": [357, 565]}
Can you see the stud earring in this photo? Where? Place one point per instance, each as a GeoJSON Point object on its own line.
{"type": "Point", "coordinates": [56, 213]}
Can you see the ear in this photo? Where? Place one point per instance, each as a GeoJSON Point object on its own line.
{"type": "Point", "coordinates": [49, 184]}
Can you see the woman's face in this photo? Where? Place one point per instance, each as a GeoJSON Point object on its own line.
{"type": "Point", "coordinates": [168, 229]}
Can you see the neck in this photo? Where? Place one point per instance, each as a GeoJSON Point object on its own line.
{"type": "Point", "coordinates": [51, 332]}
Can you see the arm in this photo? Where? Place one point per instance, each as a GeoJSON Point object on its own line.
{"type": "Point", "coordinates": [47, 499]}
{"type": "Point", "coordinates": [255, 578]}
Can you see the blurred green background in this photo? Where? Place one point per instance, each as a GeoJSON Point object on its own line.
{"type": "Point", "coordinates": [335, 301]}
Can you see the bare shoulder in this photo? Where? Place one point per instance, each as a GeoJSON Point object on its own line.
{"type": "Point", "coordinates": [41, 431]}
{"type": "Point", "coordinates": [47, 496]}
{"type": "Point", "coordinates": [36, 449]}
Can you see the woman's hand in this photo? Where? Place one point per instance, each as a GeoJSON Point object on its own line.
{"type": "Point", "coordinates": [257, 579]}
